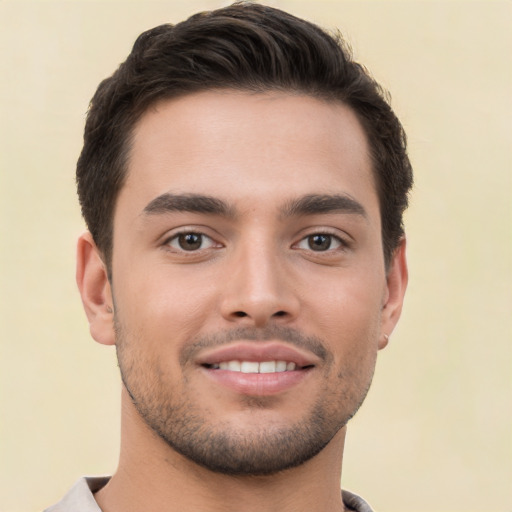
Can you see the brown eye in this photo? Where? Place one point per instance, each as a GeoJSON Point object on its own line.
{"type": "Point", "coordinates": [319, 242]}
{"type": "Point", "coordinates": [190, 241]}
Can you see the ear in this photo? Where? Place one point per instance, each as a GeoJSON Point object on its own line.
{"type": "Point", "coordinates": [396, 284]}
{"type": "Point", "coordinates": [94, 286]}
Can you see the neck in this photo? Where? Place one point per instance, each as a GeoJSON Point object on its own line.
{"type": "Point", "coordinates": [152, 476]}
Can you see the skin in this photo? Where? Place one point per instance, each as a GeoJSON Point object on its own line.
{"type": "Point", "coordinates": [257, 274]}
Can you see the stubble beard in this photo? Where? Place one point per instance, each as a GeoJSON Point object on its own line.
{"type": "Point", "coordinates": [220, 447]}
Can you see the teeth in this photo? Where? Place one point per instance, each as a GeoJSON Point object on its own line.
{"type": "Point", "coordinates": [281, 366]}
{"type": "Point", "coordinates": [234, 366]}
{"type": "Point", "coordinates": [249, 367]}
{"type": "Point", "coordinates": [268, 367]}
{"type": "Point", "coordinates": [255, 367]}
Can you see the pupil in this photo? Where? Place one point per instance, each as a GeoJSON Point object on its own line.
{"type": "Point", "coordinates": [190, 241]}
{"type": "Point", "coordinates": [319, 242]}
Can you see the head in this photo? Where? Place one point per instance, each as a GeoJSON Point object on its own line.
{"type": "Point", "coordinates": [244, 182]}
{"type": "Point", "coordinates": [244, 47]}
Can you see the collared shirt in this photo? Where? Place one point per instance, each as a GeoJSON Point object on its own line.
{"type": "Point", "coordinates": [80, 497]}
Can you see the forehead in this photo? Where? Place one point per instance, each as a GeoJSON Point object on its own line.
{"type": "Point", "coordinates": [238, 146]}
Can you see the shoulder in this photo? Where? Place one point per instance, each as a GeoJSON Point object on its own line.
{"type": "Point", "coordinates": [354, 502]}
{"type": "Point", "coordinates": [81, 496]}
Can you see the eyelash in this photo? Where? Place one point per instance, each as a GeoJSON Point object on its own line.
{"type": "Point", "coordinates": [329, 238]}
{"type": "Point", "coordinates": [178, 237]}
{"type": "Point", "coordinates": [340, 243]}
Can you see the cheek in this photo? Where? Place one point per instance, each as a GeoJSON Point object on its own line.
{"type": "Point", "coordinates": [349, 298]}
{"type": "Point", "coordinates": [348, 318]}
{"type": "Point", "coordinates": [163, 311]}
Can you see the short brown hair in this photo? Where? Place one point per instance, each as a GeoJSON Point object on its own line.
{"type": "Point", "coordinates": [247, 47]}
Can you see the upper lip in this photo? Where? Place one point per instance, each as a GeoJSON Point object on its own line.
{"type": "Point", "coordinates": [258, 351]}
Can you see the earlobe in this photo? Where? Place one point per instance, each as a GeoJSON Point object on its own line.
{"type": "Point", "coordinates": [396, 284]}
{"type": "Point", "coordinates": [93, 283]}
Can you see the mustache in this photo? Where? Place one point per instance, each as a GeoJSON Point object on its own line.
{"type": "Point", "coordinates": [271, 332]}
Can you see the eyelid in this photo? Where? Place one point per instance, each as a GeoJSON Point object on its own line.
{"type": "Point", "coordinates": [185, 230]}
{"type": "Point", "coordinates": [205, 240]}
{"type": "Point", "coordinates": [344, 239]}
{"type": "Point", "coordinates": [336, 243]}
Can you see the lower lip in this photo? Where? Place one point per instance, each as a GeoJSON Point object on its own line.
{"type": "Point", "coordinates": [258, 384]}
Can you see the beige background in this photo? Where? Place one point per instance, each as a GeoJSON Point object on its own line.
{"type": "Point", "coordinates": [436, 431]}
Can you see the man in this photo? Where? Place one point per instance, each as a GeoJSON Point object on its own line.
{"type": "Point", "coordinates": [243, 182]}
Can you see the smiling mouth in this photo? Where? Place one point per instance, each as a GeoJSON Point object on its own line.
{"type": "Point", "coordinates": [256, 367]}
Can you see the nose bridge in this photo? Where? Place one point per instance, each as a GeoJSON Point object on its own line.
{"type": "Point", "coordinates": [258, 288]}
{"type": "Point", "coordinates": [260, 271]}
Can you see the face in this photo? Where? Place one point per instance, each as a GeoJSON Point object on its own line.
{"type": "Point", "coordinates": [249, 288]}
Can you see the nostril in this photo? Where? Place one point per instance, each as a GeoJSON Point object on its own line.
{"type": "Point", "coordinates": [280, 313]}
{"type": "Point", "coordinates": [240, 314]}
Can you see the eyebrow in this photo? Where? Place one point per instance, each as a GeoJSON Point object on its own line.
{"type": "Point", "coordinates": [311, 204]}
{"type": "Point", "coordinates": [195, 203]}
{"type": "Point", "coordinates": [314, 204]}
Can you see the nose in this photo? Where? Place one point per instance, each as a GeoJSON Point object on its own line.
{"type": "Point", "coordinates": [258, 289]}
